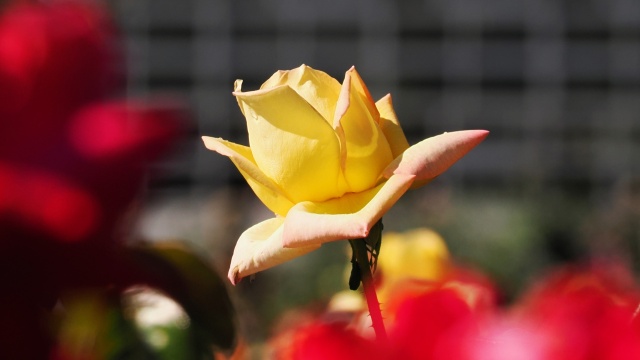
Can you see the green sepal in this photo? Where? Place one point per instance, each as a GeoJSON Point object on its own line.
{"type": "Point", "coordinates": [372, 243]}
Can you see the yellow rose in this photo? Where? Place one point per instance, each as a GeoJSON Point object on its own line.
{"type": "Point", "coordinates": [411, 259]}
{"type": "Point", "coordinates": [327, 160]}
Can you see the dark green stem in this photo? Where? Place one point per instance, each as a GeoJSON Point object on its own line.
{"type": "Point", "coordinates": [365, 265]}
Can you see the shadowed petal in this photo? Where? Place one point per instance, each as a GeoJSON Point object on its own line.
{"type": "Point", "coordinates": [268, 192]}
{"type": "Point", "coordinates": [431, 157]}
{"type": "Point", "coordinates": [359, 88]}
{"type": "Point", "coordinates": [363, 147]}
{"type": "Point", "coordinates": [260, 247]}
{"type": "Point", "coordinates": [391, 127]}
{"type": "Point", "coordinates": [348, 217]}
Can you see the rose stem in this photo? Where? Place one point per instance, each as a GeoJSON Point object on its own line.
{"type": "Point", "coordinates": [360, 249]}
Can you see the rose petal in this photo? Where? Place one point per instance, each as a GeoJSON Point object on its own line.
{"type": "Point", "coordinates": [348, 217]}
{"type": "Point", "coordinates": [237, 88]}
{"type": "Point", "coordinates": [359, 88]}
{"type": "Point", "coordinates": [278, 78]}
{"type": "Point", "coordinates": [364, 148]}
{"type": "Point", "coordinates": [292, 144]}
{"type": "Point", "coordinates": [319, 89]}
{"type": "Point", "coordinates": [268, 191]}
{"type": "Point", "coordinates": [260, 247]}
{"type": "Point", "coordinates": [390, 126]}
{"type": "Point", "coordinates": [431, 157]}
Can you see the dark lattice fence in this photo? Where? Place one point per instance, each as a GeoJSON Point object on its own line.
{"type": "Point", "coordinates": [556, 82]}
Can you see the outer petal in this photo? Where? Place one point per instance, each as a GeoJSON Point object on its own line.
{"type": "Point", "coordinates": [293, 144]}
{"type": "Point", "coordinates": [364, 148]}
{"type": "Point", "coordinates": [319, 89]}
{"type": "Point", "coordinates": [391, 127]}
{"type": "Point", "coordinates": [268, 191]}
{"type": "Point", "coordinates": [431, 157]}
{"type": "Point", "coordinates": [348, 217]}
{"type": "Point", "coordinates": [260, 247]}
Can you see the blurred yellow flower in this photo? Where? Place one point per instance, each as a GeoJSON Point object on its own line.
{"type": "Point", "coordinates": [410, 263]}
{"type": "Point", "coordinates": [417, 261]}
{"type": "Point", "coordinates": [327, 160]}
{"type": "Point", "coordinates": [415, 255]}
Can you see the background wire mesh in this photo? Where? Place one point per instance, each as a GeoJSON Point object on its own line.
{"type": "Point", "coordinates": [556, 82]}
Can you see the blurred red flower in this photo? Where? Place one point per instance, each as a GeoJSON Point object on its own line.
{"type": "Point", "coordinates": [72, 159]}
{"type": "Point", "coordinates": [574, 314]}
{"type": "Point", "coordinates": [54, 59]}
{"type": "Point", "coordinates": [333, 341]}
{"type": "Point", "coordinates": [431, 321]}
{"type": "Point", "coordinates": [585, 314]}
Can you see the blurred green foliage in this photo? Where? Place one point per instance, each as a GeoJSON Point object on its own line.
{"type": "Point", "coordinates": [180, 311]}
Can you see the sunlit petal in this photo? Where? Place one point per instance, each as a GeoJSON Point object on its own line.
{"type": "Point", "coordinates": [319, 89]}
{"type": "Point", "coordinates": [348, 217]}
{"type": "Point", "coordinates": [278, 78]}
{"type": "Point", "coordinates": [292, 144]}
{"type": "Point", "coordinates": [431, 157]}
{"type": "Point", "coordinates": [268, 191]}
{"type": "Point", "coordinates": [260, 247]}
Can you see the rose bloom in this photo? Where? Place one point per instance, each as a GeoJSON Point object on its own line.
{"type": "Point", "coordinates": [411, 261]}
{"type": "Point", "coordinates": [327, 160]}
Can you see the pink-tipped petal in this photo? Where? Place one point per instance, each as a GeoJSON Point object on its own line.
{"type": "Point", "coordinates": [431, 157]}
{"type": "Point", "coordinates": [348, 217]}
{"type": "Point", "coordinates": [260, 247]}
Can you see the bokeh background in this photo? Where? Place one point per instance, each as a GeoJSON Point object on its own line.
{"type": "Point", "coordinates": [557, 83]}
